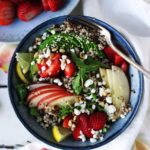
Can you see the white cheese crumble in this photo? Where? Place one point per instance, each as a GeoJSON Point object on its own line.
{"type": "Point", "coordinates": [82, 136]}
{"type": "Point", "coordinates": [56, 80]}
{"type": "Point", "coordinates": [99, 83]}
{"type": "Point", "coordinates": [48, 62]}
{"type": "Point", "coordinates": [77, 112]}
{"type": "Point", "coordinates": [30, 49]}
{"type": "Point", "coordinates": [38, 43]}
{"type": "Point", "coordinates": [93, 107]}
{"type": "Point", "coordinates": [60, 83]}
{"type": "Point", "coordinates": [43, 68]}
{"type": "Point", "coordinates": [109, 100]}
{"type": "Point", "coordinates": [72, 50]}
{"type": "Point", "coordinates": [122, 116]}
{"type": "Point", "coordinates": [68, 61]}
{"type": "Point", "coordinates": [32, 63]}
{"type": "Point", "coordinates": [101, 90]}
{"type": "Point", "coordinates": [93, 140]}
{"type": "Point", "coordinates": [34, 46]}
{"type": "Point", "coordinates": [93, 91]}
{"type": "Point", "coordinates": [110, 109]}
{"type": "Point", "coordinates": [63, 66]}
{"type": "Point", "coordinates": [88, 83]}
{"type": "Point", "coordinates": [41, 56]}
{"type": "Point", "coordinates": [97, 75]}
{"type": "Point", "coordinates": [53, 31]}
{"type": "Point", "coordinates": [87, 112]}
{"type": "Point", "coordinates": [47, 54]}
{"type": "Point", "coordinates": [64, 56]}
{"type": "Point", "coordinates": [85, 56]}
{"type": "Point", "coordinates": [89, 97]}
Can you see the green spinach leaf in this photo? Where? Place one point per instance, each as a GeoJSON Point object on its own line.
{"type": "Point", "coordinates": [22, 92]}
{"type": "Point", "coordinates": [34, 112]}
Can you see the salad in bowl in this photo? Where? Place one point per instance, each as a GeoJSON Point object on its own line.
{"type": "Point", "coordinates": [73, 83]}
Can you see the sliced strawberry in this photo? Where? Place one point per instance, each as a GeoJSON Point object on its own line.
{"type": "Point", "coordinates": [7, 12]}
{"type": "Point", "coordinates": [42, 64]}
{"type": "Point", "coordinates": [57, 56]}
{"type": "Point", "coordinates": [28, 10]}
{"type": "Point", "coordinates": [98, 120]}
{"type": "Point", "coordinates": [45, 5]}
{"type": "Point", "coordinates": [66, 121]}
{"type": "Point", "coordinates": [88, 131]}
{"type": "Point", "coordinates": [82, 120]}
{"type": "Point", "coordinates": [76, 133]}
{"type": "Point", "coordinates": [118, 60]}
{"type": "Point", "coordinates": [124, 67]}
{"type": "Point", "coordinates": [69, 69]}
{"type": "Point", "coordinates": [55, 5]}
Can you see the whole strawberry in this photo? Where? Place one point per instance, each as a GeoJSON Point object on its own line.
{"type": "Point", "coordinates": [98, 120]}
{"type": "Point", "coordinates": [55, 5]}
{"type": "Point", "coordinates": [7, 12]}
{"type": "Point", "coordinates": [28, 10]}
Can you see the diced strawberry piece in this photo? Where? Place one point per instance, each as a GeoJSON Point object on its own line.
{"type": "Point", "coordinates": [45, 5]}
{"type": "Point", "coordinates": [53, 70]}
{"type": "Point", "coordinates": [28, 10]}
{"type": "Point", "coordinates": [55, 5]}
{"type": "Point", "coordinates": [57, 56]}
{"type": "Point", "coordinates": [118, 60]}
{"type": "Point", "coordinates": [98, 120]}
{"type": "Point", "coordinates": [76, 133]}
{"type": "Point", "coordinates": [42, 64]}
{"type": "Point", "coordinates": [66, 121]}
{"type": "Point", "coordinates": [69, 69]}
{"type": "Point", "coordinates": [124, 67]}
{"type": "Point", "coordinates": [7, 12]}
{"type": "Point", "coordinates": [110, 53]}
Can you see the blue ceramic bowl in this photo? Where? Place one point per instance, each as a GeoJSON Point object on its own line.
{"type": "Point", "coordinates": [136, 83]}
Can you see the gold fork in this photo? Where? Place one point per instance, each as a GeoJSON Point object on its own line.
{"type": "Point", "coordinates": [107, 34]}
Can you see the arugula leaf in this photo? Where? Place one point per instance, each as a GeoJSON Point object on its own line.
{"type": "Point", "coordinates": [65, 110]}
{"type": "Point", "coordinates": [78, 61]}
{"type": "Point", "coordinates": [76, 85]}
{"type": "Point", "coordinates": [93, 62]}
{"type": "Point", "coordinates": [94, 96]}
{"type": "Point", "coordinates": [22, 91]}
{"type": "Point", "coordinates": [34, 112]}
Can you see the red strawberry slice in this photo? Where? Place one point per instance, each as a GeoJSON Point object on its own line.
{"type": "Point", "coordinates": [7, 12]}
{"type": "Point", "coordinates": [118, 60]}
{"type": "Point", "coordinates": [69, 69]}
{"type": "Point", "coordinates": [28, 10]}
{"type": "Point", "coordinates": [98, 120]}
{"type": "Point", "coordinates": [45, 4]}
{"type": "Point", "coordinates": [55, 5]}
{"type": "Point", "coordinates": [66, 121]}
{"type": "Point", "coordinates": [88, 131]}
{"type": "Point", "coordinates": [76, 133]}
{"type": "Point", "coordinates": [53, 70]}
{"type": "Point", "coordinates": [82, 122]}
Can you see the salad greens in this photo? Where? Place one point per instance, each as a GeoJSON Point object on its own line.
{"type": "Point", "coordinates": [22, 92]}
{"type": "Point", "coordinates": [92, 65]}
{"type": "Point", "coordinates": [34, 112]}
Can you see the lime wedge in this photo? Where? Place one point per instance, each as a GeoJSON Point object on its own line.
{"type": "Point", "coordinates": [24, 60]}
{"type": "Point", "coordinates": [60, 133]}
{"type": "Point", "coordinates": [20, 74]}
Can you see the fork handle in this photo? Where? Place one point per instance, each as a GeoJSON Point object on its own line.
{"type": "Point", "coordinates": [137, 66]}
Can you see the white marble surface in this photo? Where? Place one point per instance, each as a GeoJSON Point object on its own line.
{"type": "Point", "coordinates": [136, 29]}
